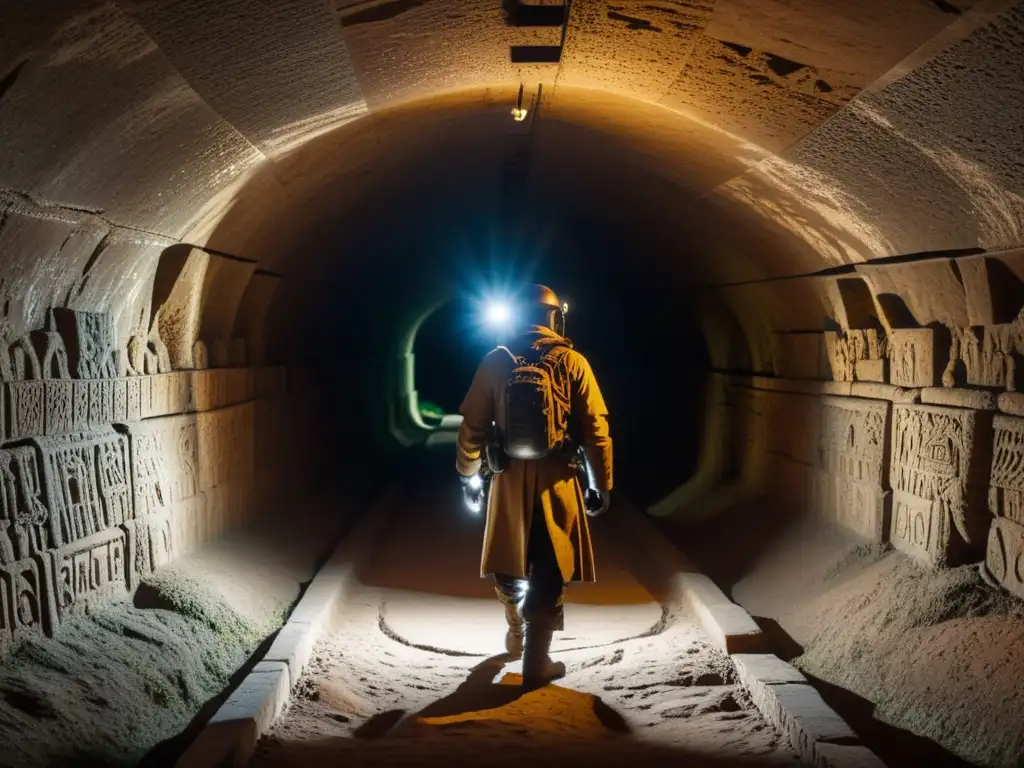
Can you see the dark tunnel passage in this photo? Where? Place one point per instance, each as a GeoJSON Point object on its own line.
{"type": "Point", "coordinates": [244, 255]}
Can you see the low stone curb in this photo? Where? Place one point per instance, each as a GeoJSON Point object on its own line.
{"type": "Point", "coordinates": [727, 624]}
{"type": "Point", "coordinates": [790, 703]}
{"type": "Point", "coordinates": [781, 693]}
{"type": "Point", "coordinates": [231, 735]}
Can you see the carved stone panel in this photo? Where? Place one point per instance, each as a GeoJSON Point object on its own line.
{"type": "Point", "coordinates": [165, 463]}
{"type": "Point", "coordinates": [24, 516]}
{"type": "Point", "coordinates": [939, 457]}
{"type": "Point", "coordinates": [985, 356]}
{"type": "Point", "coordinates": [1006, 484]}
{"type": "Point", "coordinates": [27, 408]}
{"type": "Point", "coordinates": [80, 405]}
{"type": "Point", "coordinates": [60, 400]}
{"type": "Point", "coordinates": [912, 357]}
{"type": "Point", "coordinates": [856, 355]}
{"type": "Point", "coordinates": [91, 343]}
{"type": "Point", "coordinates": [26, 604]}
{"type": "Point", "coordinates": [120, 400]}
{"type": "Point", "coordinates": [133, 399]}
{"type": "Point", "coordinates": [1005, 556]}
{"type": "Point", "coordinates": [87, 482]}
{"type": "Point", "coordinates": [851, 465]}
{"type": "Point", "coordinates": [101, 402]}
{"type": "Point", "coordinates": [91, 570]}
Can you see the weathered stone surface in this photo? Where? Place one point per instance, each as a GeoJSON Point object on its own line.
{"type": "Point", "coordinates": [851, 466]}
{"type": "Point", "coordinates": [939, 456]}
{"type": "Point", "coordinates": [846, 756]}
{"type": "Point", "coordinates": [24, 514]}
{"type": "Point", "coordinates": [765, 669]}
{"type": "Point", "coordinates": [1006, 482]}
{"type": "Point", "coordinates": [889, 392]}
{"type": "Point", "coordinates": [60, 405]}
{"type": "Point", "coordinates": [857, 355]}
{"type": "Point", "coordinates": [86, 482]}
{"type": "Point", "coordinates": [979, 400]}
{"type": "Point", "coordinates": [226, 445]}
{"type": "Point", "coordinates": [91, 569]}
{"type": "Point", "coordinates": [91, 344]}
{"type": "Point", "coordinates": [26, 602]}
{"type": "Point", "coordinates": [912, 357]}
{"type": "Point", "coordinates": [1011, 403]}
{"type": "Point", "coordinates": [26, 408]}
{"type": "Point", "coordinates": [1005, 555]}
{"type": "Point", "coordinates": [101, 402]}
{"type": "Point", "coordinates": [985, 356]}
{"type": "Point", "coordinates": [165, 463]}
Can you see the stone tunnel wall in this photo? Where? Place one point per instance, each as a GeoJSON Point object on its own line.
{"type": "Point", "coordinates": [887, 400]}
{"type": "Point", "coordinates": [119, 452]}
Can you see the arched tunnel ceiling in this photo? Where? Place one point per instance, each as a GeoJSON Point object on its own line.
{"type": "Point", "coordinates": [771, 137]}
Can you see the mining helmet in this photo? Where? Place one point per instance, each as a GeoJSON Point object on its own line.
{"type": "Point", "coordinates": [542, 297]}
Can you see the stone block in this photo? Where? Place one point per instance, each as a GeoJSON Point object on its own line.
{"type": "Point", "coordinates": [294, 646]}
{"type": "Point", "coordinates": [60, 406]}
{"type": "Point", "coordinates": [260, 697]}
{"type": "Point", "coordinates": [871, 370]}
{"type": "Point", "coordinates": [91, 570]}
{"type": "Point", "coordinates": [800, 356]}
{"type": "Point", "coordinates": [856, 354]}
{"type": "Point", "coordinates": [728, 625]}
{"type": "Point", "coordinates": [119, 389]}
{"type": "Point", "coordinates": [165, 462]}
{"type": "Point", "coordinates": [26, 408]}
{"type": "Point", "coordinates": [1006, 480]}
{"type": "Point", "coordinates": [90, 341]}
{"type": "Point", "coordinates": [1004, 558]}
{"type": "Point", "coordinates": [979, 400]}
{"type": "Point", "coordinates": [912, 357]}
{"type": "Point", "coordinates": [800, 714]}
{"type": "Point", "coordinates": [26, 600]}
{"type": "Point", "coordinates": [101, 402]}
{"type": "Point", "coordinates": [133, 398]}
{"type": "Point", "coordinates": [851, 465]}
{"type": "Point", "coordinates": [939, 466]}
{"type": "Point", "coordinates": [1011, 403]}
{"type": "Point", "coordinates": [874, 391]}
{"type": "Point", "coordinates": [765, 669]}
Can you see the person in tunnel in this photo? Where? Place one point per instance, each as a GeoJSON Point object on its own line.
{"type": "Point", "coordinates": [539, 404]}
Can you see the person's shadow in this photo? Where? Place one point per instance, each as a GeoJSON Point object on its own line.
{"type": "Point", "coordinates": [479, 693]}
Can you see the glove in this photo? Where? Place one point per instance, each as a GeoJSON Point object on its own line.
{"type": "Point", "coordinates": [596, 502]}
{"type": "Point", "coordinates": [472, 492]}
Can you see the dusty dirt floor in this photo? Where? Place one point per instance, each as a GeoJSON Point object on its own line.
{"type": "Point", "coordinates": [412, 672]}
{"type": "Point", "coordinates": [118, 686]}
{"type": "Point", "coordinates": [927, 666]}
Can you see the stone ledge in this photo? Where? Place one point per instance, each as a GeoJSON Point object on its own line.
{"type": "Point", "coordinates": [785, 699]}
{"type": "Point", "coordinates": [728, 625]}
{"type": "Point", "coordinates": [959, 398]}
{"type": "Point", "coordinates": [231, 735]}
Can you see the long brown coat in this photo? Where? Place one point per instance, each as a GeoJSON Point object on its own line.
{"type": "Point", "coordinates": [551, 480]}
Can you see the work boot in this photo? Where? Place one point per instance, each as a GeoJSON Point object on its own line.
{"type": "Point", "coordinates": [516, 627]}
{"type": "Point", "coordinates": [538, 668]}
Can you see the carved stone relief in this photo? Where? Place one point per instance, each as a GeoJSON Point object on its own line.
{"type": "Point", "coordinates": [985, 356]}
{"type": "Point", "coordinates": [165, 463]}
{"type": "Point", "coordinates": [26, 409]}
{"type": "Point", "coordinates": [912, 357]}
{"type": "Point", "coordinates": [851, 466]}
{"type": "Point", "coordinates": [938, 513]}
{"type": "Point", "coordinates": [90, 342]}
{"type": "Point", "coordinates": [1004, 558]}
{"type": "Point", "coordinates": [857, 355]}
{"type": "Point", "coordinates": [91, 570]}
{"type": "Point", "coordinates": [24, 516]}
{"type": "Point", "coordinates": [26, 604]}
{"type": "Point", "coordinates": [86, 481]}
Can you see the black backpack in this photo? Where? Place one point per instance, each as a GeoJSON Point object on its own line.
{"type": "Point", "coordinates": [537, 404]}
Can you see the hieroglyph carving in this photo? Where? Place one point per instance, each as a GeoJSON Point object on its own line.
{"type": "Point", "coordinates": [91, 343]}
{"type": "Point", "coordinates": [1004, 558]}
{"type": "Point", "coordinates": [985, 356]}
{"type": "Point", "coordinates": [912, 357]}
{"type": "Point", "coordinates": [24, 517]}
{"type": "Point", "coordinates": [1006, 483]}
{"type": "Point", "coordinates": [937, 512]}
{"type": "Point", "coordinates": [87, 483]}
{"type": "Point", "coordinates": [165, 463]}
{"type": "Point", "coordinates": [857, 355]}
{"type": "Point", "coordinates": [91, 569]}
{"type": "Point", "coordinates": [26, 605]}
{"type": "Point", "coordinates": [850, 467]}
